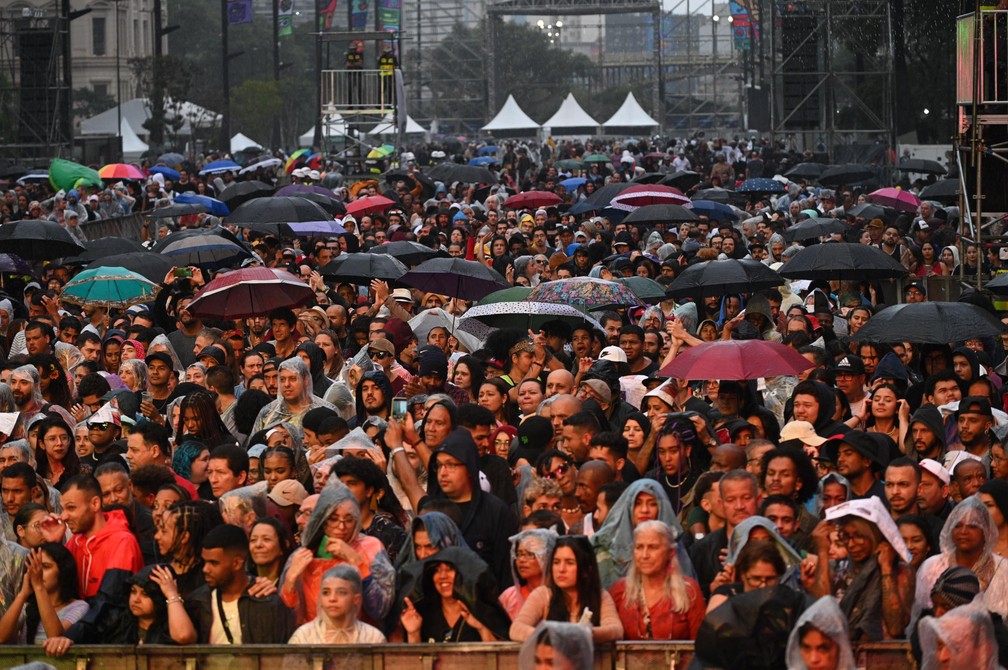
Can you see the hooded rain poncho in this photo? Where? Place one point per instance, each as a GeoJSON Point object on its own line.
{"type": "Point", "coordinates": [967, 633]}
{"type": "Point", "coordinates": [572, 641]}
{"type": "Point", "coordinates": [825, 616]}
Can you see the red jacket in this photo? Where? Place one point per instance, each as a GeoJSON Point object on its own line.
{"type": "Point", "coordinates": [114, 546]}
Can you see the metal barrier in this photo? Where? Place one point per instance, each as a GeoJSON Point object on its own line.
{"type": "Point", "coordinates": [482, 656]}
{"type": "Point", "coordinates": [358, 91]}
{"type": "Point", "coordinates": [128, 226]}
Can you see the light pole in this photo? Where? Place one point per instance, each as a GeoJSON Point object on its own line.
{"type": "Point", "coordinates": [118, 81]}
{"type": "Point", "coordinates": [714, 24]}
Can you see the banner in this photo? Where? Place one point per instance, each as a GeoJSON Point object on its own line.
{"type": "Point", "coordinates": [744, 28]}
{"type": "Point", "coordinates": [388, 16]}
{"type": "Point", "coordinates": [358, 14]}
{"type": "Point", "coordinates": [327, 11]}
{"type": "Point", "coordinates": [285, 14]}
{"type": "Point", "coordinates": [239, 11]}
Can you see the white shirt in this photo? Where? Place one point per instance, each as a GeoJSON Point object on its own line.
{"type": "Point", "coordinates": [217, 634]}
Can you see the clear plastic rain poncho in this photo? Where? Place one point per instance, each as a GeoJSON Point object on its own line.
{"type": "Point", "coordinates": [569, 645]}
{"type": "Point", "coordinates": [830, 478]}
{"type": "Point", "coordinates": [539, 541]}
{"type": "Point", "coordinates": [162, 343]}
{"type": "Point", "coordinates": [614, 543]}
{"type": "Point", "coordinates": [242, 506]}
{"type": "Point", "coordinates": [740, 537]}
{"type": "Point", "coordinates": [968, 636]}
{"type": "Point", "coordinates": [990, 569]}
{"type": "Point", "coordinates": [441, 531]}
{"type": "Point", "coordinates": [826, 617]}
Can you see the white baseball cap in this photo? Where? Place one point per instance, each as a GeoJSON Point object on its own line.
{"type": "Point", "coordinates": [614, 354]}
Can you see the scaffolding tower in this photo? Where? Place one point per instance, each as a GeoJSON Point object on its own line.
{"type": "Point", "coordinates": [35, 118]}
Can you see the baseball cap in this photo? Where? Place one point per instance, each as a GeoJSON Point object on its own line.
{"type": "Point", "coordinates": [975, 405]}
{"type": "Point", "coordinates": [861, 442]}
{"type": "Point", "coordinates": [803, 431]}
{"type": "Point", "coordinates": [850, 365]}
{"type": "Point", "coordinates": [288, 492]}
{"type": "Point", "coordinates": [134, 310]}
{"type": "Point", "coordinates": [382, 344]}
{"type": "Point", "coordinates": [614, 354]}
{"type": "Point", "coordinates": [213, 352]}
{"type": "Point", "coordinates": [936, 469]}
{"type": "Point", "coordinates": [159, 356]}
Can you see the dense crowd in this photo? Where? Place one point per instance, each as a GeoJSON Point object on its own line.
{"type": "Point", "coordinates": [340, 473]}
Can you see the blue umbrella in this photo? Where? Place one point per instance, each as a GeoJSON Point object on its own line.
{"type": "Point", "coordinates": [483, 160]}
{"type": "Point", "coordinates": [573, 183]}
{"type": "Point", "coordinates": [215, 206]}
{"type": "Point", "coordinates": [487, 151]}
{"type": "Point", "coordinates": [760, 185]}
{"type": "Point", "coordinates": [216, 167]}
{"type": "Point", "coordinates": [166, 171]}
{"type": "Point", "coordinates": [714, 210]}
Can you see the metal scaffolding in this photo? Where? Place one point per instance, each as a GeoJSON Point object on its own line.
{"type": "Point", "coordinates": [34, 84]}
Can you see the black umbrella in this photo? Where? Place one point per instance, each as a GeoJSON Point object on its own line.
{"type": "Point", "coordinates": [37, 240]}
{"type": "Point", "coordinates": [467, 174]}
{"type": "Point", "coordinates": [682, 180]}
{"type": "Point", "coordinates": [843, 261]}
{"type": "Point", "coordinates": [408, 253]}
{"type": "Point", "coordinates": [805, 171]}
{"type": "Point", "coordinates": [838, 175]}
{"type": "Point", "coordinates": [243, 191]}
{"type": "Point", "coordinates": [180, 209]}
{"type": "Point", "coordinates": [456, 277]}
{"type": "Point", "coordinates": [998, 285]}
{"type": "Point", "coordinates": [720, 195]}
{"type": "Point", "coordinates": [930, 323]}
{"type": "Point", "coordinates": [946, 190]}
{"type": "Point", "coordinates": [722, 277]}
{"type": "Point", "coordinates": [602, 196]}
{"type": "Point", "coordinates": [652, 214]}
{"type": "Point", "coordinates": [270, 215]}
{"type": "Point", "coordinates": [330, 203]}
{"type": "Point", "coordinates": [811, 229]}
{"type": "Point", "coordinates": [648, 178]}
{"type": "Point", "coordinates": [867, 210]}
{"type": "Point", "coordinates": [212, 248]}
{"type": "Point", "coordinates": [363, 267]}
{"type": "Point", "coordinates": [921, 166]}
{"type": "Point", "coordinates": [104, 246]}
{"type": "Point", "coordinates": [145, 263]}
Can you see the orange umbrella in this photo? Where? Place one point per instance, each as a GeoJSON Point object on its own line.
{"type": "Point", "coordinates": [121, 171]}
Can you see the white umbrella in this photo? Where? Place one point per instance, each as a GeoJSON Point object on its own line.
{"type": "Point", "coordinates": [428, 319]}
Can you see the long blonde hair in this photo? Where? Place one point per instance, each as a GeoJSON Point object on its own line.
{"type": "Point", "coordinates": [675, 586]}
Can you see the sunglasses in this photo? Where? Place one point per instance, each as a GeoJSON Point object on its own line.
{"type": "Point", "coordinates": [100, 426]}
{"type": "Point", "coordinates": [378, 354]}
{"type": "Point", "coordinates": [559, 472]}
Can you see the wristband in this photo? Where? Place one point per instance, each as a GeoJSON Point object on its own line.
{"type": "Point", "coordinates": [396, 451]}
{"type": "Point", "coordinates": [174, 599]}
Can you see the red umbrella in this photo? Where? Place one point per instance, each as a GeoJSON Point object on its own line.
{"type": "Point", "coordinates": [736, 359]}
{"type": "Point", "coordinates": [897, 198]}
{"type": "Point", "coordinates": [371, 204]}
{"type": "Point", "coordinates": [648, 194]}
{"type": "Point", "coordinates": [533, 200]}
{"type": "Point", "coordinates": [121, 171]}
{"type": "Point", "coordinates": [250, 292]}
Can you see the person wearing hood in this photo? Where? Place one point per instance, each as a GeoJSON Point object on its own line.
{"type": "Point", "coordinates": [487, 521]}
{"type": "Point", "coordinates": [820, 639]}
{"type": "Point", "coordinates": [294, 396]}
{"type": "Point", "coordinates": [949, 258]}
{"type": "Point", "coordinates": [968, 538]}
{"type": "Point", "coordinates": [530, 550]}
{"type": "Point", "coordinates": [429, 533]}
{"type": "Point", "coordinates": [340, 597]}
{"type": "Point", "coordinates": [815, 402]}
{"type": "Point", "coordinates": [373, 397]}
{"type": "Point", "coordinates": [962, 638]}
{"type": "Point", "coordinates": [101, 540]}
{"type": "Point", "coordinates": [315, 359]}
{"type": "Point", "coordinates": [554, 644]}
{"type": "Point", "coordinates": [926, 437]}
{"type": "Point", "coordinates": [966, 366]}
{"type": "Point", "coordinates": [332, 536]}
{"type": "Point", "coordinates": [760, 315]}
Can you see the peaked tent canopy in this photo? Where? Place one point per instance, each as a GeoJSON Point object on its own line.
{"type": "Point", "coordinates": [511, 117]}
{"type": "Point", "coordinates": [132, 146]}
{"type": "Point", "coordinates": [136, 112]}
{"type": "Point", "coordinates": [387, 127]}
{"type": "Point", "coordinates": [630, 115]}
{"type": "Point", "coordinates": [240, 142]}
{"type": "Point", "coordinates": [334, 127]}
{"type": "Point", "coordinates": [570, 115]}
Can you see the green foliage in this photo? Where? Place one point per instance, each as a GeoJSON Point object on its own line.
{"type": "Point", "coordinates": [87, 102]}
{"type": "Point", "coordinates": [254, 104]}
{"type": "Point", "coordinates": [166, 82]}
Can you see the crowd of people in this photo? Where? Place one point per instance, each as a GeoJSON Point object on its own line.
{"type": "Point", "coordinates": [329, 473]}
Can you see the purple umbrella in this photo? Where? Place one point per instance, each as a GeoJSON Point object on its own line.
{"type": "Point", "coordinates": [455, 277]}
{"type": "Point", "coordinates": [310, 228]}
{"type": "Point", "coordinates": [14, 264]}
{"type": "Point", "coordinates": [298, 189]}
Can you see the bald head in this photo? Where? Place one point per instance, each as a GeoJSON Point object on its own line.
{"type": "Point", "coordinates": [728, 457]}
{"type": "Point", "coordinates": [592, 476]}
{"type": "Point", "coordinates": [559, 382]}
{"type": "Point", "coordinates": [562, 407]}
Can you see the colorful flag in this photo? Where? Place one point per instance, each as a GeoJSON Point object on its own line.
{"type": "Point", "coordinates": [358, 14]}
{"type": "Point", "coordinates": [285, 15]}
{"type": "Point", "coordinates": [239, 11]}
{"type": "Point", "coordinates": [327, 11]}
{"type": "Point", "coordinates": [388, 15]}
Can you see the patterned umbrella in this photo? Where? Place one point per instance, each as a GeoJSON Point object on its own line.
{"type": "Point", "coordinates": [897, 198]}
{"type": "Point", "coordinates": [109, 287]}
{"type": "Point", "coordinates": [526, 315]}
{"type": "Point", "coordinates": [642, 195]}
{"type": "Point", "coordinates": [250, 292]}
{"type": "Point", "coordinates": [584, 292]}
{"type": "Point", "coordinates": [760, 185]}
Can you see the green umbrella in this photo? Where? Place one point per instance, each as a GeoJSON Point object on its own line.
{"type": "Point", "coordinates": [597, 158]}
{"type": "Point", "coordinates": [513, 294]}
{"type": "Point", "coordinates": [64, 174]}
{"type": "Point", "coordinates": [646, 289]}
{"type": "Point", "coordinates": [109, 287]}
{"type": "Point", "coordinates": [569, 164]}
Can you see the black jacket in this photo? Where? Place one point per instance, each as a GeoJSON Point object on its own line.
{"type": "Point", "coordinates": [706, 557]}
{"type": "Point", "coordinates": [263, 620]}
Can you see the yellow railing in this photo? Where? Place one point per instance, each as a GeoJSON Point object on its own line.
{"type": "Point", "coordinates": [495, 656]}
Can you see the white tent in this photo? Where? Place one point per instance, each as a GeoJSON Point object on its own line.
{"type": "Point", "coordinates": [387, 127]}
{"type": "Point", "coordinates": [334, 127]}
{"type": "Point", "coordinates": [511, 117]}
{"type": "Point", "coordinates": [136, 112]}
{"type": "Point", "coordinates": [240, 142]}
{"type": "Point", "coordinates": [630, 115]}
{"type": "Point", "coordinates": [570, 115]}
{"type": "Point", "coordinates": [132, 146]}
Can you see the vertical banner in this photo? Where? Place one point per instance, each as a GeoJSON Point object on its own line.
{"type": "Point", "coordinates": [327, 12]}
{"type": "Point", "coordinates": [239, 11]}
{"type": "Point", "coordinates": [359, 14]}
{"type": "Point", "coordinates": [744, 30]}
{"type": "Point", "coordinates": [388, 16]}
{"type": "Point", "coordinates": [285, 14]}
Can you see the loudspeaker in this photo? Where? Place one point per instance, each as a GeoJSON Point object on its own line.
{"type": "Point", "coordinates": [800, 51]}
{"type": "Point", "coordinates": [994, 173]}
{"type": "Point", "coordinates": [758, 104]}
{"type": "Point", "coordinates": [38, 84]}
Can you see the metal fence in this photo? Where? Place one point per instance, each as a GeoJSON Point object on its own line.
{"type": "Point", "coordinates": [129, 226]}
{"type": "Point", "coordinates": [361, 91]}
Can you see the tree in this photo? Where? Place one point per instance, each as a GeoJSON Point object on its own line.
{"type": "Point", "coordinates": [165, 82]}
{"type": "Point", "coordinates": [254, 105]}
{"type": "Point", "coordinates": [87, 102]}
